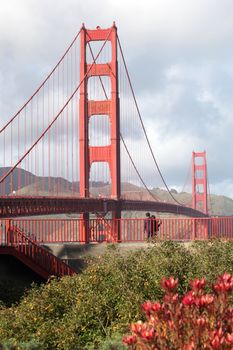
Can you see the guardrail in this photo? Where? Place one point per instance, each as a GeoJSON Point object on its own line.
{"type": "Point", "coordinates": [17, 239]}
{"type": "Point", "coordinates": [118, 230]}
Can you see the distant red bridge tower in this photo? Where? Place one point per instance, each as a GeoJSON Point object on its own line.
{"type": "Point", "coordinates": [199, 181]}
{"type": "Point", "coordinates": [91, 108]}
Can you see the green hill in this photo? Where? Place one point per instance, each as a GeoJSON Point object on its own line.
{"type": "Point", "coordinates": [44, 186]}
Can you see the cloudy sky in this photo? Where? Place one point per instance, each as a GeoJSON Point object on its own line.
{"type": "Point", "coordinates": [179, 55]}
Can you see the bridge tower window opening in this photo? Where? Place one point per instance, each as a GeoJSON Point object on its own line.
{"type": "Point", "coordinates": [99, 88]}
{"type": "Point", "coordinates": [199, 158]}
{"type": "Point", "coordinates": [94, 47]}
{"type": "Point", "coordinates": [100, 180]}
{"type": "Point", "coordinates": [199, 174]}
{"type": "Point", "coordinates": [99, 130]}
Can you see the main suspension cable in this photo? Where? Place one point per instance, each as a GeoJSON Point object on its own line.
{"type": "Point", "coordinates": [58, 114]}
{"type": "Point", "coordinates": [41, 85]}
{"type": "Point", "coordinates": [135, 168]}
{"type": "Point", "coordinates": [123, 141]}
{"type": "Point", "coordinates": [210, 211]}
{"type": "Point", "coordinates": [186, 181]}
{"type": "Point", "coordinates": [142, 124]}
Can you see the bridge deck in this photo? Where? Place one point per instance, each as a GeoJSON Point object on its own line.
{"type": "Point", "coordinates": [26, 206]}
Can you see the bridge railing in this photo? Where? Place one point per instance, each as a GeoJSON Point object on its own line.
{"type": "Point", "coordinates": [13, 236]}
{"type": "Point", "coordinates": [43, 231]}
{"type": "Point", "coordinates": [179, 229]}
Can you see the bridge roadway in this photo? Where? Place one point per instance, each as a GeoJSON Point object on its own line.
{"type": "Point", "coordinates": [27, 206]}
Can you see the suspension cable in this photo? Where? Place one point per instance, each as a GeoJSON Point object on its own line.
{"type": "Point", "coordinates": [208, 184]}
{"type": "Point", "coordinates": [142, 124]}
{"type": "Point", "coordinates": [185, 183]}
{"type": "Point", "coordinates": [126, 148]}
{"type": "Point", "coordinates": [187, 176]}
{"type": "Point", "coordinates": [58, 114]}
{"type": "Point", "coordinates": [135, 168]}
{"type": "Point", "coordinates": [42, 84]}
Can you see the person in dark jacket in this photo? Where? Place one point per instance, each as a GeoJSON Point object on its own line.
{"type": "Point", "coordinates": [155, 225]}
{"type": "Point", "coordinates": [147, 225]}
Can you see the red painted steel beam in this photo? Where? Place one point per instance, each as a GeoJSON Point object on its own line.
{"type": "Point", "coordinates": [27, 206]}
{"type": "Point", "coordinates": [110, 107]}
{"type": "Point", "coordinates": [26, 261]}
{"type": "Point", "coordinates": [201, 180]}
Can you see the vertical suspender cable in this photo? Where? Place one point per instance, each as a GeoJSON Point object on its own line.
{"type": "Point", "coordinates": [142, 124]}
{"type": "Point", "coordinates": [9, 172]}
{"type": "Point", "coordinates": [42, 84]}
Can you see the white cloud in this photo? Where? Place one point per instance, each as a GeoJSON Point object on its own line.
{"type": "Point", "coordinates": [224, 188]}
{"type": "Point", "coordinates": [179, 54]}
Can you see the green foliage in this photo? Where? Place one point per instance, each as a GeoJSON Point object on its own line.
{"type": "Point", "coordinates": [83, 311]}
{"type": "Point", "coordinates": [212, 258]}
{"type": "Point", "coordinates": [113, 343]}
{"type": "Point", "coordinates": [15, 345]}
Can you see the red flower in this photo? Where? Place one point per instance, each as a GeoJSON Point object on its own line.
{"type": "Point", "coordinates": [156, 306]}
{"type": "Point", "coordinates": [147, 306]}
{"type": "Point", "coordinates": [148, 334]}
{"type": "Point", "coordinates": [216, 333]}
{"type": "Point", "coordinates": [219, 288]}
{"type": "Point", "coordinates": [229, 338]}
{"type": "Point", "coordinates": [171, 298]}
{"type": "Point", "coordinates": [215, 342]}
{"type": "Point", "coordinates": [139, 327]}
{"type": "Point", "coordinates": [189, 346]}
{"type": "Point", "coordinates": [227, 277]}
{"type": "Point", "coordinates": [224, 283]}
{"type": "Point", "coordinates": [129, 339]}
{"type": "Point", "coordinates": [169, 284]}
{"type": "Point", "coordinates": [136, 327]}
{"type": "Point", "coordinates": [201, 321]}
{"type": "Point", "coordinates": [205, 300]}
{"type": "Point", "coordinates": [197, 284]}
{"type": "Point", "coordinates": [175, 322]}
{"type": "Point", "coordinates": [188, 299]}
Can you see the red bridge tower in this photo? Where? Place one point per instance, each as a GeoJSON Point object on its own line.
{"type": "Point", "coordinates": [199, 181]}
{"type": "Point", "coordinates": [90, 108]}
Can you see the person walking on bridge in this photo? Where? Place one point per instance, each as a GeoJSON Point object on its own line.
{"type": "Point", "coordinates": [155, 225]}
{"type": "Point", "coordinates": [147, 225]}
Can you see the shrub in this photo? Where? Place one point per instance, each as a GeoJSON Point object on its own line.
{"type": "Point", "coordinates": [197, 320]}
{"type": "Point", "coordinates": [86, 310]}
{"type": "Point", "coordinates": [12, 345]}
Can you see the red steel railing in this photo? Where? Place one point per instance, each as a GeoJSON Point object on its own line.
{"type": "Point", "coordinates": [14, 237]}
{"type": "Point", "coordinates": [130, 230]}
{"type": "Point", "coordinates": [179, 229]}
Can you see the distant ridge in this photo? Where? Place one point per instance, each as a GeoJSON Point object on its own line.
{"type": "Point", "coordinates": [44, 186]}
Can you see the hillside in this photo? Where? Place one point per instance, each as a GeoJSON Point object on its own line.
{"type": "Point", "coordinates": [44, 186]}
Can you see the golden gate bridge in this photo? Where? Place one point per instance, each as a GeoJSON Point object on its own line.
{"type": "Point", "coordinates": [74, 146]}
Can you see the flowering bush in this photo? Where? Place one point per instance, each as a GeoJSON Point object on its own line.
{"type": "Point", "coordinates": [197, 320]}
{"type": "Point", "coordinates": [92, 310]}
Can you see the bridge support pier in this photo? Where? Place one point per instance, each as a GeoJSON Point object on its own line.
{"type": "Point", "coordinates": [200, 229]}
{"type": "Point", "coordinates": [85, 227]}
{"type": "Point", "coordinates": [6, 233]}
{"type": "Point", "coordinates": [116, 216]}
